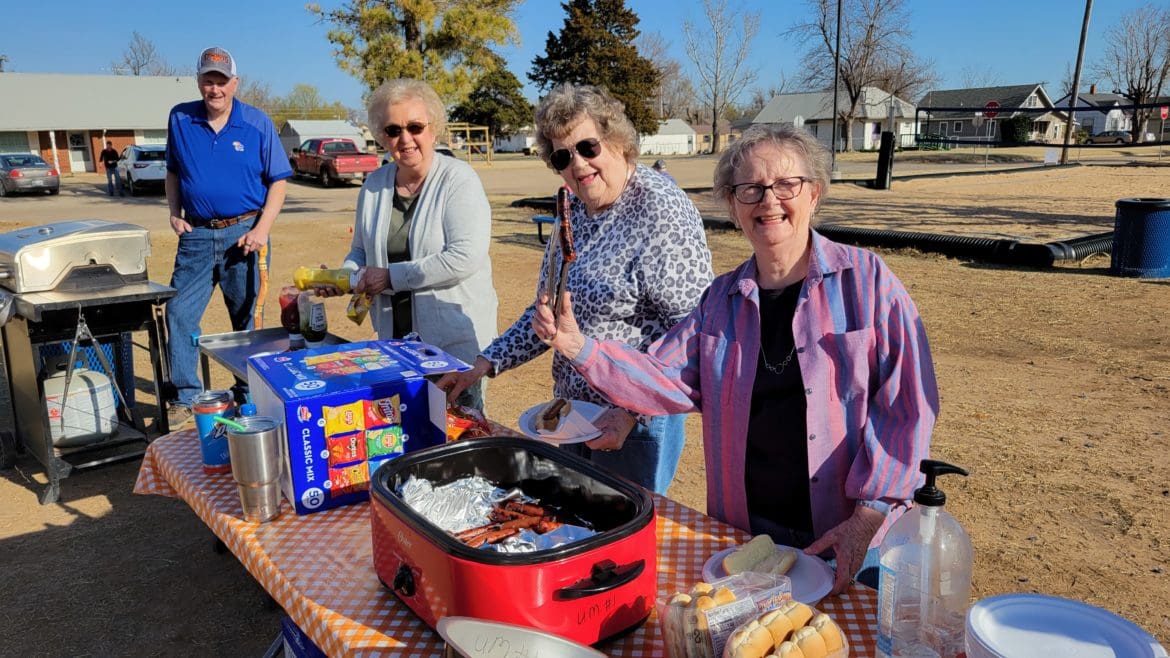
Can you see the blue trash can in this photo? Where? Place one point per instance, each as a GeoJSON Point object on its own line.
{"type": "Point", "coordinates": [1141, 238]}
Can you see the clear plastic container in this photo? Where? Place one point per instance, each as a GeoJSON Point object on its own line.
{"type": "Point", "coordinates": [691, 632]}
{"type": "Point", "coordinates": [306, 278]}
{"type": "Point", "coordinates": [926, 561]}
{"type": "Point", "coordinates": [838, 652]}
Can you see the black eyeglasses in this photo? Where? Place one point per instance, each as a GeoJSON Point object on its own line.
{"type": "Point", "coordinates": [587, 148]}
{"type": "Point", "coordinates": [783, 188]}
{"type": "Point", "coordinates": [414, 128]}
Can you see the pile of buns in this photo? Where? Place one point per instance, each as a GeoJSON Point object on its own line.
{"type": "Point", "coordinates": [760, 555]}
{"type": "Point", "coordinates": [687, 635]}
{"type": "Point", "coordinates": [793, 630]}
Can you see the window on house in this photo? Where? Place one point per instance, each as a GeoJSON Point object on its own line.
{"type": "Point", "coordinates": [958, 127]}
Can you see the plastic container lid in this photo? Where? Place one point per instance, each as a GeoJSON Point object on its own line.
{"type": "Point", "coordinates": [476, 637]}
{"type": "Point", "coordinates": [1028, 625]}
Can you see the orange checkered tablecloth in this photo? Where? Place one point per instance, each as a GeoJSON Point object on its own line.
{"type": "Point", "coordinates": [320, 567]}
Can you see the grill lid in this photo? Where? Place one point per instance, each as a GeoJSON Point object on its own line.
{"type": "Point", "coordinates": [89, 254]}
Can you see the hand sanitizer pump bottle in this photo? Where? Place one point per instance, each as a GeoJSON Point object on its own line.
{"type": "Point", "coordinates": [925, 587]}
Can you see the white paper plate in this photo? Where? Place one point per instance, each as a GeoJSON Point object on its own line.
{"type": "Point", "coordinates": [812, 577]}
{"type": "Point", "coordinates": [1011, 625]}
{"type": "Point", "coordinates": [589, 410]}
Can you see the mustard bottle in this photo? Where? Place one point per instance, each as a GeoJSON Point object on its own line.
{"type": "Point", "coordinates": [306, 278]}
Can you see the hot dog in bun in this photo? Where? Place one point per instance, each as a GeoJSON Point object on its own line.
{"type": "Point", "coordinates": [553, 413]}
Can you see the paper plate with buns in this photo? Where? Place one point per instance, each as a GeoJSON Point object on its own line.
{"type": "Point", "coordinates": [812, 577]}
{"type": "Point", "coordinates": [561, 421]}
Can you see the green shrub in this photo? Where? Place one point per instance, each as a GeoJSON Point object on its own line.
{"type": "Point", "coordinates": [1015, 129]}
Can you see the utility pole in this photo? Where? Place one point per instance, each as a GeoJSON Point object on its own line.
{"type": "Point", "coordinates": [836, 74]}
{"type": "Point", "coordinates": [1074, 96]}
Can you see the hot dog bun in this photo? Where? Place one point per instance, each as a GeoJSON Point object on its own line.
{"type": "Point", "coordinates": [760, 555]}
{"type": "Point", "coordinates": [753, 641]}
{"type": "Point", "coordinates": [778, 624]}
{"type": "Point", "coordinates": [749, 555]}
{"type": "Point", "coordinates": [829, 632]}
{"type": "Point", "coordinates": [788, 650]}
{"type": "Point", "coordinates": [798, 613]}
{"type": "Point", "coordinates": [550, 417]}
{"type": "Point", "coordinates": [810, 642]}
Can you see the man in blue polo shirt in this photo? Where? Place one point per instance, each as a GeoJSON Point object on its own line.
{"type": "Point", "coordinates": [226, 180]}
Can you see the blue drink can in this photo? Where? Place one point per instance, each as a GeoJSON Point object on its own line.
{"type": "Point", "coordinates": [212, 437]}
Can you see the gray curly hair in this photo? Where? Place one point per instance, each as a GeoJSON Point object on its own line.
{"type": "Point", "coordinates": [796, 141]}
{"type": "Point", "coordinates": [568, 104]}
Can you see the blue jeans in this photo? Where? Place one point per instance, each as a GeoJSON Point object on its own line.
{"type": "Point", "coordinates": [207, 257]}
{"type": "Point", "coordinates": [113, 181]}
{"type": "Point", "coordinates": [650, 454]}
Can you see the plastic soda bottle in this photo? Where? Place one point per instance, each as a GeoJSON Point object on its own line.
{"type": "Point", "coordinates": [926, 560]}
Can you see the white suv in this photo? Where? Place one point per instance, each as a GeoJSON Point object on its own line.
{"type": "Point", "coordinates": [143, 166]}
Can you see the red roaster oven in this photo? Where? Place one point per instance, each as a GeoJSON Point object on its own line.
{"type": "Point", "coordinates": [586, 591]}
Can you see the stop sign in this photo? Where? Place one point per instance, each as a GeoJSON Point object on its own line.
{"type": "Point", "coordinates": [991, 110]}
{"type": "Point", "coordinates": [1165, 111]}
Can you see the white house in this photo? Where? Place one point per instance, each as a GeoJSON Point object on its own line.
{"type": "Point", "coordinates": [67, 119]}
{"type": "Point", "coordinates": [1099, 112]}
{"type": "Point", "coordinates": [296, 131]}
{"type": "Point", "coordinates": [877, 111]}
{"type": "Point", "coordinates": [674, 137]}
{"type": "Point", "coordinates": [524, 141]}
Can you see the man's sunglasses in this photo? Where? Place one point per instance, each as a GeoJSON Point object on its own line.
{"type": "Point", "coordinates": [587, 148]}
{"type": "Point", "coordinates": [414, 128]}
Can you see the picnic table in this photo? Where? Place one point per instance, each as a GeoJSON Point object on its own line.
{"type": "Point", "coordinates": [320, 567]}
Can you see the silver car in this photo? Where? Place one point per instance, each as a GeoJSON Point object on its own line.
{"type": "Point", "coordinates": [143, 166]}
{"type": "Point", "coordinates": [25, 172]}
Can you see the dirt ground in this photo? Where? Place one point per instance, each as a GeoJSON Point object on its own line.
{"type": "Point", "coordinates": [1055, 388]}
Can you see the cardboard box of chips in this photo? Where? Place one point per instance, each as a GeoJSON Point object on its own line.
{"type": "Point", "coordinates": [346, 410]}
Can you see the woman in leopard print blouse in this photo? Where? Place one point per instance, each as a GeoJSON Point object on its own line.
{"type": "Point", "coordinates": [642, 265]}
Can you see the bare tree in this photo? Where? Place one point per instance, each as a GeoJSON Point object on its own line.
{"type": "Point", "coordinates": [257, 93]}
{"type": "Point", "coordinates": [875, 52]}
{"type": "Point", "coordinates": [138, 57]}
{"type": "Point", "coordinates": [675, 92]}
{"type": "Point", "coordinates": [974, 77]}
{"type": "Point", "coordinates": [1137, 60]}
{"type": "Point", "coordinates": [719, 51]}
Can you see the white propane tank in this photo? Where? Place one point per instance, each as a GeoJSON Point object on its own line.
{"type": "Point", "coordinates": [88, 416]}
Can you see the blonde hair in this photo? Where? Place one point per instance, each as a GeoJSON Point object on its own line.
{"type": "Point", "coordinates": [393, 92]}
{"type": "Point", "coordinates": [568, 105]}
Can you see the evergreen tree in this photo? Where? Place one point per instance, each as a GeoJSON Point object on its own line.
{"type": "Point", "coordinates": [496, 102]}
{"type": "Point", "coordinates": [444, 42]}
{"type": "Point", "coordinates": [596, 47]}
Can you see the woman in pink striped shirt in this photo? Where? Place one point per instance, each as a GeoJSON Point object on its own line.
{"type": "Point", "coordinates": [809, 363]}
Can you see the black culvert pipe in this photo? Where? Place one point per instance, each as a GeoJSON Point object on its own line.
{"type": "Point", "coordinates": [1003, 251]}
{"type": "Point", "coordinates": [1082, 248]}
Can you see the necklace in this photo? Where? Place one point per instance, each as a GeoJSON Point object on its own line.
{"type": "Point", "coordinates": [776, 370]}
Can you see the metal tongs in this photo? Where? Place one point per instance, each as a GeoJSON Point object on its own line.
{"type": "Point", "coordinates": [562, 236]}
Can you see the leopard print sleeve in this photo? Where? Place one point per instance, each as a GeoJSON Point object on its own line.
{"type": "Point", "coordinates": [642, 265]}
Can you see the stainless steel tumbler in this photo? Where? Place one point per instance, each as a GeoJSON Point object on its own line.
{"type": "Point", "coordinates": [256, 465]}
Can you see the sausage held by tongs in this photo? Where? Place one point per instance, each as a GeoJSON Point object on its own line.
{"type": "Point", "coordinates": [568, 253]}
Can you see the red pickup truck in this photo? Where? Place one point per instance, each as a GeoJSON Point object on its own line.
{"type": "Point", "coordinates": [335, 160]}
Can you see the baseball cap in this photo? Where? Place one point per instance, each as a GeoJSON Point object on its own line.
{"type": "Point", "coordinates": [218, 60]}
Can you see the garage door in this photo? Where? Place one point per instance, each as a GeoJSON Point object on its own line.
{"type": "Point", "coordinates": [14, 142]}
{"type": "Point", "coordinates": [154, 137]}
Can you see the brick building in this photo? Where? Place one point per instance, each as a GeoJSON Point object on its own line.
{"type": "Point", "coordinates": [67, 119]}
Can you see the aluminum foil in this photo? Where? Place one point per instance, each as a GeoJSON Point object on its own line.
{"type": "Point", "coordinates": [457, 506]}
{"type": "Point", "coordinates": [465, 503]}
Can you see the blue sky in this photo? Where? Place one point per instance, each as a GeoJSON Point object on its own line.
{"type": "Point", "coordinates": [280, 43]}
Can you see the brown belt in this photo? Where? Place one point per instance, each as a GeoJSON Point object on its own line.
{"type": "Point", "coordinates": [232, 221]}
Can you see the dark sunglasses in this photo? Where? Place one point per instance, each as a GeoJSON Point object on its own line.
{"type": "Point", "coordinates": [414, 128]}
{"type": "Point", "coordinates": [587, 148]}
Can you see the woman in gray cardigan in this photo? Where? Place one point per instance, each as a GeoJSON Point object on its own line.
{"type": "Point", "coordinates": [422, 232]}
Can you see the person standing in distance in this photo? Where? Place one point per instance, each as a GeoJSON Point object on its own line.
{"type": "Point", "coordinates": [226, 181]}
{"type": "Point", "coordinates": [109, 158]}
